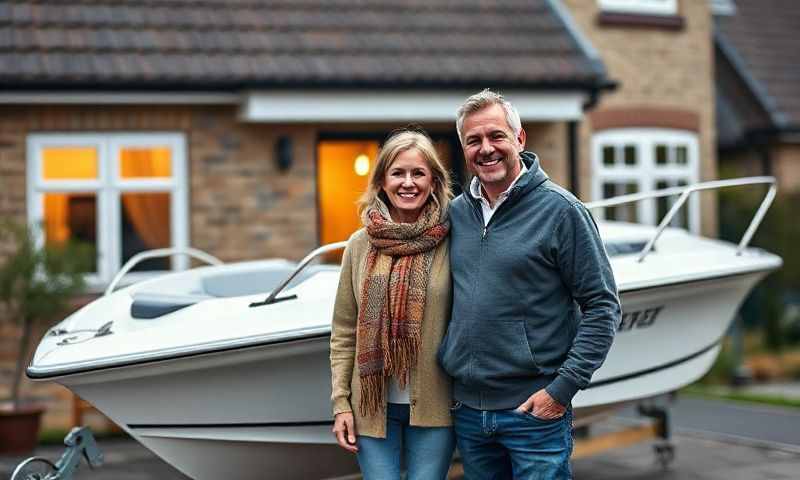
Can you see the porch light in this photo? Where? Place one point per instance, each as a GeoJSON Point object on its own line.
{"type": "Point", "coordinates": [361, 165]}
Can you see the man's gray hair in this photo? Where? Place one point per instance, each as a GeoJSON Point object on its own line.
{"type": "Point", "coordinates": [481, 100]}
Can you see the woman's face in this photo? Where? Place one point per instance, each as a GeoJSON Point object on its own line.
{"type": "Point", "coordinates": [408, 183]}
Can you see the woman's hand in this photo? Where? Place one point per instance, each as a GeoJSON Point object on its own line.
{"type": "Point", "coordinates": [344, 427]}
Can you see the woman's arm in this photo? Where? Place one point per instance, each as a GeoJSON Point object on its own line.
{"type": "Point", "coordinates": [343, 335]}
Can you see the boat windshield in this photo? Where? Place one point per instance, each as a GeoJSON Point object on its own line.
{"type": "Point", "coordinates": [617, 248]}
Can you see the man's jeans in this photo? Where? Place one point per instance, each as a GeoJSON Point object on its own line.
{"type": "Point", "coordinates": [506, 444]}
{"type": "Point", "coordinates": [428, 451]}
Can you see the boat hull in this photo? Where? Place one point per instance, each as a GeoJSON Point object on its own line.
{"type": "Point", "coordinates": [264, 411]}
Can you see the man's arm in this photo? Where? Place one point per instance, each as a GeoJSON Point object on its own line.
{"type": "Point", "coordinates": [584, 268]}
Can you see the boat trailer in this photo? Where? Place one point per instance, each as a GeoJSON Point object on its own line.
{"type": "Point", "coordinates": [657, 429]}
{"type": "Point", "coordinates": [79, 442]}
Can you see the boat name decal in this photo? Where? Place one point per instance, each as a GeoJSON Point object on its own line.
{"type": "Point", "coordinates": [639, 319]}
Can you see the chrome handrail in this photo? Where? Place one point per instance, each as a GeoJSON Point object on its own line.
{"type": "Point", "coordinates": [684, 193]}
{"type": "Point", "coordinates": [300, 266]}
{"type": "Point", "coordinates": [156, 253]}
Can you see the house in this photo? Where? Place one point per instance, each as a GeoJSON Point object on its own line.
{"type": "Point", "coordinates": [245, 128]}
{"type": "Point", "coordinates": [758, 120]}
{"type": "Point", "coordinates": [758, 90]}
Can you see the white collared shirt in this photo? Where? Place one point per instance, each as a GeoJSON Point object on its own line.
{"type": "Point", "coordinates": [476, 190]}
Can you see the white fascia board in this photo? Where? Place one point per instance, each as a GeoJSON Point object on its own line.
{"type": "Point", "coordinates": [297, 106]}
{"type": "Point", "coordinates": [119, 98]}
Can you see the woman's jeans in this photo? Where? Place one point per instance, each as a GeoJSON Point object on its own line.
{"type": "Point", "coordinates": [425, 451]}
{"type": "Point", "coordinates": [506, 444]}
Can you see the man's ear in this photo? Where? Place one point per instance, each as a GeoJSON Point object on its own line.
{"type": "Point", "coordinates": [521, 139]}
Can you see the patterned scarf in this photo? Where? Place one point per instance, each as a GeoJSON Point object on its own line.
{"type": "Point", "coordinates": [393, 296]}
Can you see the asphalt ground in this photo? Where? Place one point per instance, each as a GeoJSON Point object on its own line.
{"type": "Point", "coordinates": [697, 458]}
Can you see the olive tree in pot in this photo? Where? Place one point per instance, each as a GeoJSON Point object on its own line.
{"type": "Point", "coordinates": [36, 284]}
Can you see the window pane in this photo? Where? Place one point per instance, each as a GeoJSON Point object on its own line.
{"type": "Point", "coordinates": [681, 155]}
{"type": "Point", "coordinates": [341, 182]}
{"type": "Point", "coordinates": [145, 226]}
{"type": "Point", "coordinates": [663, 204]}
{"type": "Point", "coordinates": [608, 156]}
{"type": "Point", "coordinates": [661, 154]}
{"type": "Point", "coordinates": [145, 162]}
{"type": "Point", "coordinates": [71, 217]}
{"type": "Point", "coordinates": [626, 212]}
{"type": "Point", "coordinates": [630, 155]}
{"type": "Point", "coordinates": [69, 163]}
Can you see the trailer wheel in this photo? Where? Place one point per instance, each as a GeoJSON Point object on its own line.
{"type": "Point", "coordinates": [665, 454]}
{"type": "Point", "coordinates": [34, 468]}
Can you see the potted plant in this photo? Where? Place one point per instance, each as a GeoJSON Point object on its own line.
{"type": "Point", "coordinates": [36, 284]}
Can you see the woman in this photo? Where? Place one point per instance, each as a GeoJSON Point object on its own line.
{"type": "Point", "coordinates": [390, 397]}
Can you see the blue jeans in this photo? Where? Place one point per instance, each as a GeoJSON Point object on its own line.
{"type": "Point", "coordinates": [506, 444]}
{"type": "Point", "coordinates": [427, 451]}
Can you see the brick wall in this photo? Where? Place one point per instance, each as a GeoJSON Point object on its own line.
{"type": "Point", "coordinates": [657, 68]}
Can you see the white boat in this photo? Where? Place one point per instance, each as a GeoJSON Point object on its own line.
{"type": "Point", "coordinates": [222, 382]}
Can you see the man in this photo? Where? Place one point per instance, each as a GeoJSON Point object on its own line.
{"type": "Point", "coordinates": [535, 305]}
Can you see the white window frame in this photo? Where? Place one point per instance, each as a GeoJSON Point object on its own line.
{"type": "Point", "coordinates": [644, 7]}
{"type": "Point", "coordinates": [108, 188]}
{"type": "Point", "coordinates": [646, 173]}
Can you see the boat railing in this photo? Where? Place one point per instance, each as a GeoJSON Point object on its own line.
{"type": "Point", "coordinates": [685, 193]}
{"type": "Point", "coordinates": [159, 253]}
{"type": "Point", "coordinates": [273, 296]}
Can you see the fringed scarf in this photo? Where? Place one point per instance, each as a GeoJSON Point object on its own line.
{"type": "Point", "coordinates": [393, 296]}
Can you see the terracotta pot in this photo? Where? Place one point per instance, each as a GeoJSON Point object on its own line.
{"type": "Point", "coordinates": [19, 430]}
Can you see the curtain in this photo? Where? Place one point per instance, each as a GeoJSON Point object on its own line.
{"type": "Point", "coordinates": [149, 212]}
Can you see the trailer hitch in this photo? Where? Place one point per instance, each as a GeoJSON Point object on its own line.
{"type": "Point", "coordinates": [79, 442]}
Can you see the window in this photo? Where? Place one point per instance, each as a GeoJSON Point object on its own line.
{"type": "Point", "coordinates": [122, 194]}
{"type": "Point", "coordinates": [633, 160]}
{"type": "Point", "coordinates": [644, 7]}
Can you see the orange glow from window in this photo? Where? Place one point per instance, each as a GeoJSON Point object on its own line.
{"type": "Point", "coordinates": [145, 162]}
{"type": "Point", "coordinates": [340, 186]}
{"type": "Point", "coordinates": [69, 163]}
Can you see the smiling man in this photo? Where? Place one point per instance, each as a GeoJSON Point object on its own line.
{"type": "Point", "coordinates": [535, 305]}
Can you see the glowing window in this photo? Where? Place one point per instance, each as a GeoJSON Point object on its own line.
{"type": "Point", "coordinates": [145, 162]}
{"type": "Point", "coordinates": [119, 193]}
{"type": "Point", "coordinates": [342, 180]}
{"type": "Point", "coordinates": [69, 163]}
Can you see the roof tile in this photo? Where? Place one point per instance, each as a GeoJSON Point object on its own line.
{"type": "Point", "coordinates": [314, 42]}
{"type": "Point", "coordinates": [764, 36]}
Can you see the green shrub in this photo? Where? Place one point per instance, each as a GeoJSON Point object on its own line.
{"type": "Point", "coordinates": [36, 284]}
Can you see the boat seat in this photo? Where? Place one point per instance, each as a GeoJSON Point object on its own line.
{"type": "Point", "coordinates": [147, 306]}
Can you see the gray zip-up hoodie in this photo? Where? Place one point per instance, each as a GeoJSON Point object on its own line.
{"type": "Point", "coordinates": [535, 304]}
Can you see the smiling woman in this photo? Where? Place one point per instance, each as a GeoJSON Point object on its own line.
{"type": "Point", "coordinates": [388, 393]}
{"type": "Point", "coordinates": [407, 185]}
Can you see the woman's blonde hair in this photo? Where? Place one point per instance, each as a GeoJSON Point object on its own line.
{"type": "Point", "coordinates": [398, 142]}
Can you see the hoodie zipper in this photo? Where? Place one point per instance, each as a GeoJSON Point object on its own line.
{"type": "Point", "coordinates": [479, 211]}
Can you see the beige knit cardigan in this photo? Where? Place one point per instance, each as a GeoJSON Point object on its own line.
{"type": "Point", "coordinates": [430, 389]}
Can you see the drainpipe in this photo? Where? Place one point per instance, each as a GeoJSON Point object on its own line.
{"type": "Point", "coordinates": [573, 156]}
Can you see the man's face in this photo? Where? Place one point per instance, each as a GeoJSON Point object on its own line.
{"type": "Point", "coordinates": [491, 149]}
